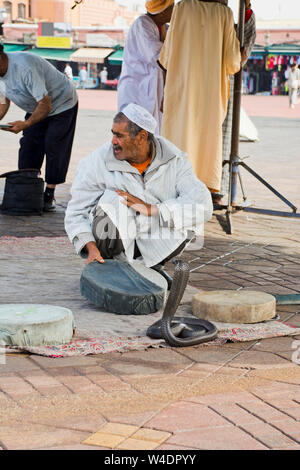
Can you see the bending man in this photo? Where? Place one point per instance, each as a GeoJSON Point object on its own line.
{"type": "Point", "coordinates": [51, 104]}
{"type": "Point", "coordinates": [136, 195]}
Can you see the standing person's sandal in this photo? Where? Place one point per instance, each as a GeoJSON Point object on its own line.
{"type": "Point", "coordinates": [49, 202]}
{"type": "Point", "coordinates": [217, 200]}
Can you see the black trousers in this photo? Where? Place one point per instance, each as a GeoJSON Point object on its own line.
{"type": "Point", "coordinates": [53, 137]}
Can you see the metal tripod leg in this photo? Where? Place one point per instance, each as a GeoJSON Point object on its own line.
{"type": "Point", "coordinates": [232, 202]}
{"type": "Point", "coordinates": [280, 196]}
{"type": "Point", "coordinates": [229, 205]}
{"type": "Point", "coordinates": [242, 186]}
{"type": "Point", "coordinates": [232, 195]}
{"type": "Point", "coordinates": [236, 113]}
{"type": "Point", "coordinates": [235, 161]}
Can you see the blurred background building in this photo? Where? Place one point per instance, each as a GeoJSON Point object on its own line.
{"type": "Point", "coordinates": [96, 31]}
{"type": "Point", "coordinates": [90, 12]}
{"type": "Point", "coordinates": [96, 28]}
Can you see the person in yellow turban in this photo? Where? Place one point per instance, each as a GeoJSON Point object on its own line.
{"type": "Point", "coordinates": [142, 79]}
{"type": "Point", "coordinates": [158, 6]}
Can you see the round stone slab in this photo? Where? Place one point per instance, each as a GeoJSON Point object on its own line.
{"type": "Point", "coordinates": [35, 325]}
{"type": "Point", "coordinates": [231, 306]}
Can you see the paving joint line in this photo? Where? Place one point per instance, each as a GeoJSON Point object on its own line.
{"type": "Point", "coordinates": [218, 368]}
{"type": "Point", "coordinates": [224, 255]}
{"type": "Point", "coordinates": [50, 425]}
{"type": "Point", "coordinates": [81, 374]}
{"type": "Point", "coordinates": [271, 380]}
{"type": "Point", "coordinates": [186, 368]}
{"type": "Point", "coordinates": [155, 413]}
{"type": "Point", "coordinates": [220, 426]}
{"type": "Point", "coordinates": [122, 380]}
{"type": "Point", "coordinates": [239, 426]}
{"type": "Point", "coordinates": [270, 424]}
{"type": "Point", "coordinates": [140, 426]}
{"type": "Point", "coordinates": [51, 375]}
{"type": "Point", "coordinates": [292, 314]}
{"type": "Point", "coordinates": [223, 365]}
{"type": "Point", "coordinates": [11, 398]}
{"type": "Point", "coordinates": [256, 276]}
{"type": "Point", "coordinates": [281, 357]}
{"type": "Point", "coordinates": [275, 407]}
{"type": "Point", "coordinates": [275, 283]}
{"type": "Point", "coordinates": [29, 383]}
{"type": "Point", "coordinates": [282, 382]}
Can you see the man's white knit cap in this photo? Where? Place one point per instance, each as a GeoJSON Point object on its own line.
{"type": "Point", "coordinates": [141, 117]}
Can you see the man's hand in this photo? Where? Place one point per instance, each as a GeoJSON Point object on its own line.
{"type": "Point", "coordinates": [247, 4]}
{"type": "Point", "coordinates": [137, 204]}
{"type": "Point", "coordinates": [18, 126]}
{"type": "Point", "coordinates": [93, 253]}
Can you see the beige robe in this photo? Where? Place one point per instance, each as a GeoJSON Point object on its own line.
{"type": "Point", "coordinates": [200, 52]}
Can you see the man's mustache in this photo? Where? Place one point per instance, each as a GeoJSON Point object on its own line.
{"type": "Point", "coordinates": [117, 147]}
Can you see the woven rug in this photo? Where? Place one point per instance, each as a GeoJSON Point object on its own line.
{"type": "Point", "coordinates": [90, 346]}
{"type": "Point", "coordinates": [105, 344]}
{"type": "Point", "coordinates": [256, 331]}
{"type": "Point", "coordinates": [47, 270]}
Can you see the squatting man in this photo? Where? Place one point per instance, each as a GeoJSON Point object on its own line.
{"type": "Point", "coordinates": [136, 197]}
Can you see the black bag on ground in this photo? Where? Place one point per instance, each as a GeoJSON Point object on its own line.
{"type": "Point", "coordinates": [23, 193]}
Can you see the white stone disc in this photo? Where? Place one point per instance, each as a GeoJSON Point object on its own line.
{"type": "Point", "coordinates": [231, 306]}
{"type": "Point", "coordinates": [35, 324]}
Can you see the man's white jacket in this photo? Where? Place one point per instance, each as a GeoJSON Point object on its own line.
{"type": "Point", "coordinates": [169, 182]}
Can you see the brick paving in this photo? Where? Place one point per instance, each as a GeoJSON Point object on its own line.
{"type": "Point", "coordinates": [234, 396]}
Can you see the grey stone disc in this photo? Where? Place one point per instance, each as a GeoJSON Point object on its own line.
{"type": "Point", "coordinates": [35, 324]}
{"type": "Point", "coordinates": [118, 287]}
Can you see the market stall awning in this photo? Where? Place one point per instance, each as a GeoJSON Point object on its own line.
{"type": "Point", "coordinates": [116, 58]}
{"type": "Point", "coordinates": [258, 49]}
{"type": "Point", "coordinates": [283, 49]}
{"type": "Point", "coordinates": [53, 54]}
{"type": "Point", "coordinates": [92, 55]}
{"type": "Point", "coordinates": [14, 47]}
{"type": "Point", "coordinates": [277, 49]}
{"type": "Point", "coordinates": [258, 52]}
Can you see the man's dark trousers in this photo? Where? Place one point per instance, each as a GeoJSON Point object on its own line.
{"type": "Point", "coordinates": [53, 137]}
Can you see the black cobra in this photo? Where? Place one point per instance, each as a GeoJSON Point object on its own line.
{"type": "Point", "coordinates": [181, 331]}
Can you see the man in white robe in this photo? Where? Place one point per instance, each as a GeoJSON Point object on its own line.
{"type": "Point", "coordinates": [142, 79]}
{"type": "Point", "coordinates": [136, 195]}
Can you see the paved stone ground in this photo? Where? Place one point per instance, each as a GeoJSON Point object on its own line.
{"type": "Point", "coordinates": [234, 396]}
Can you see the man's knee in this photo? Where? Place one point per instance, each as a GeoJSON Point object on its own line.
{"type": "Point", "coordinates": [107, 236]}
